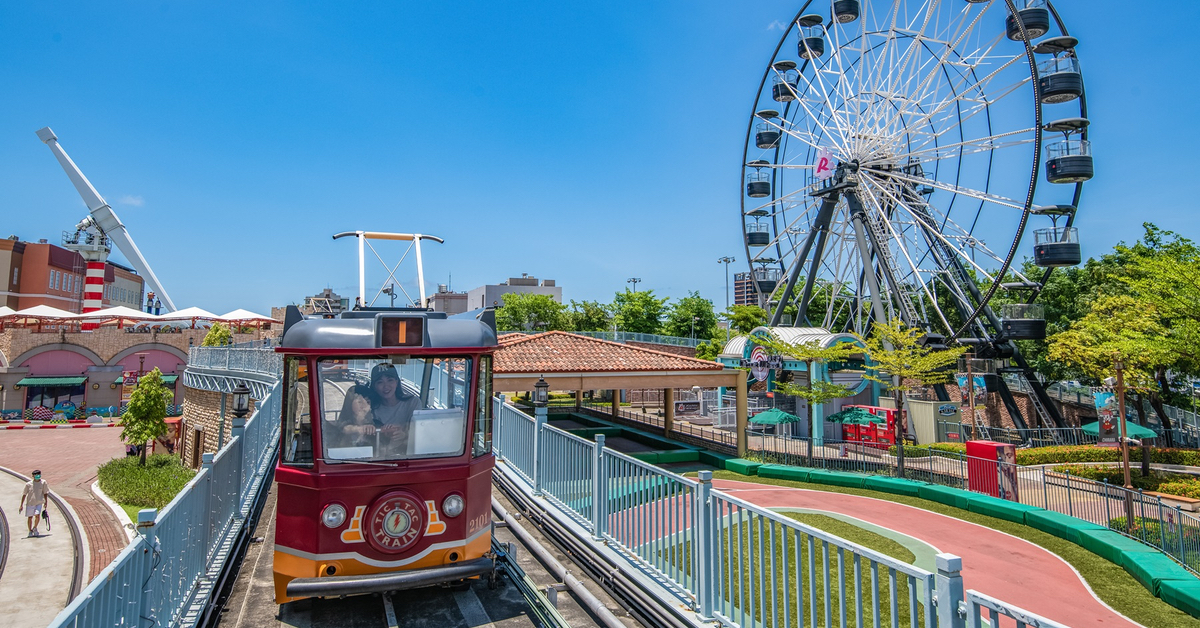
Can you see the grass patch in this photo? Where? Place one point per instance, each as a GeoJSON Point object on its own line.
{"type": "Point", "coordinates": [1110, 582]}
{"type": "Point", "coordinates": [151, 486]}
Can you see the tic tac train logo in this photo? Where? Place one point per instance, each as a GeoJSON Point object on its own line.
{"type": "Point", "coordinates": [395, 523]}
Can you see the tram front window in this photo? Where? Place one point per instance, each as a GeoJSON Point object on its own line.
{"type": "Point", "coordinates": [392, 408]}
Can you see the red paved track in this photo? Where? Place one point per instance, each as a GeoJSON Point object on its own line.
{"type": "Point", "coordinates": [1000, 565]}
{"type": "Point", "coordinates": [68, 460]}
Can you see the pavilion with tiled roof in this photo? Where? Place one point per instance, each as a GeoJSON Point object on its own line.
{"type": "Point", "coordinates": [572, 362]}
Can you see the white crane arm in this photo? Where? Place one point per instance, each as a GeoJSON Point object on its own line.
{"type": "Point", "coordinates": [105, 217]}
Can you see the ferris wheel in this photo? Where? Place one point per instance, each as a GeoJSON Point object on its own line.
{"type": "Point", "coordinates": [898, 154]}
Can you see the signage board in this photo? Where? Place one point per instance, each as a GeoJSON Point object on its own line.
{"type": "Point", "coordinates": [1106, 413]}
{"type": "Point", "coordinates": [687, 408]}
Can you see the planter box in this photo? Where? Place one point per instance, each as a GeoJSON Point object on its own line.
{"type": "Point", "coordinates": [1185, 503]}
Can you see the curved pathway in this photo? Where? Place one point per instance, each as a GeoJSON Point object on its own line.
{"type": "Point", "coordinates": [68, 460]}
{"type": "Point", "coordinates": [995, 563]}
{"type": "Point", "coordinates": [39, 570]}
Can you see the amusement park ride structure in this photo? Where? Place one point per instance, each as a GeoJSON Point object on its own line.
{"type": "Point", "coordinates": [94, 234]}
{"type": "Point", "coordinates": [890, 140]}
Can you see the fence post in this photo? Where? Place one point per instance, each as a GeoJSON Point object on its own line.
{"type": "Point", "coordinates": [1162, 532]}
{"type": "Point", "coordinates": [206, 467]}
{"type": "Point", "coordinates": [950, 593]}
{"type": "Point", "coordinates": [1070, 506]}
{"type": "Point", "coordinates": [150, 548]}
{"type": "Point", "coordinates": [599, 488]}
{"type": "Point", "coordinates": [704, 533]}
{"type": "Point", "coordinates": [497, 443]}
{"type": "Point", "coordinates": [539, 423]}
{"type": "Point", "coordinates": [238, 433]}
{"type": "Point", "coordinates": [1107, 505]}
{"type": "Point", "coordinates": [1179, 532]}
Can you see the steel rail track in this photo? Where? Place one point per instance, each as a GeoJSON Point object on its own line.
{"type": "Point", "coordinates": [645, 607]}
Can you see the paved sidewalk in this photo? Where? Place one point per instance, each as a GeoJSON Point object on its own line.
{"type": "Point", "coordinates": [995, 563]}
{"type": "Point", "coordinates": [39, 571]}
{"type": "Point", "coordinates": [68, 460]}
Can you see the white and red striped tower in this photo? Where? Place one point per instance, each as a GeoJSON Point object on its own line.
{"type": "Point", "coordinates": [91, 244]}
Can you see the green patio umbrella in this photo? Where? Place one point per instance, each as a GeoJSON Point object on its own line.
{"type": "Point", "coordinates": [855, 416]}
{"type": "Point", "coordinates": [1132, 430]}
{"type": "Point", "coordinates": [774, 416]}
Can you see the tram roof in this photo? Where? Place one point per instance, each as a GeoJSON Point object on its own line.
{"type": "Point", "coordinates": [362, 329]}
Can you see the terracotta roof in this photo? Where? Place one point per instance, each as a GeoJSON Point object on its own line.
{"type": "Point", "coordinates": [564, 352]}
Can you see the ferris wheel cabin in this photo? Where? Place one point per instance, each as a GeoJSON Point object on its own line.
{"type": "Point", "coordinates": [1023, 321]}
{"type": "Point", "coordinates": [845, 11]}
{"type": "Point", "coordinates": [768, 131]}
{"type": "Point", "coordinates": [812, 36]}
{"type": "Point", "coordinates": [786, 81]}
{"type": "Point", "coordinates": [1059, 77]}
{"type": "Point", "coordinates": [758, 183]}
{"type": "Point", "coordinates": [1035, 17]}
{"type": "Point", "coordinates": [1069, 160]}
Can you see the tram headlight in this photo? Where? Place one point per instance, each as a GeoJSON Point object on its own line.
{"type": "Point", "coordinates": [334, 515]}
{"type": "Point", "coordinates": [453, 505]}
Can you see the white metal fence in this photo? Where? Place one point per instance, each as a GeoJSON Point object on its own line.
{"type": "Point", "coordinates": [727, 559]}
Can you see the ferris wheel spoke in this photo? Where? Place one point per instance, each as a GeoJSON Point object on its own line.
{"type": "Point", "coordinates": [928, 225]}
{"type": "Point", "coordinates": [897, 242]}
{"type": "Point", "coordinates": [968, 147]}
{"type": "Point", "coordinates": [965, 191]}
{"type": "Point", "coordinates": [839, 126]}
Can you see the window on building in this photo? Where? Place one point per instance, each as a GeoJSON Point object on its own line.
{"type": "Point", "coordinates": [15, 272]}
{"type": "Point", "coordinates": [51, 287]}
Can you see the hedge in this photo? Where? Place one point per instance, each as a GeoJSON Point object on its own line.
{"type": "Point", "coordinates": [151, 486]}
{"type": "Point", "coordinates": [1091, 453]}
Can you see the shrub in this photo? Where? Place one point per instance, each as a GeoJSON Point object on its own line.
{"type": "Point", "coordinates": [1189, 488]}
{"type": "Point", "coordinates": [151, 486]}
{"type": "Point", "coordinates": [1173, 483]}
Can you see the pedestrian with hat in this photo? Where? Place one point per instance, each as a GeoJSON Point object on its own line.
{"type": "Point", "coordinates": [34, 501]}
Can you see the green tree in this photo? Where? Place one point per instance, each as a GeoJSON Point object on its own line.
{"type": "Point", "coordinates": [1125, 328]}
{"type": "Point", "coordinates": [902, 362]}
{"type": "Point", "coordinates": [218, 336]}
{"type": "Point", "coordinates": [589, 316]}
{"type": "Point", "coordinates": [526, 311]}
{"type": "Point", "coordinates": [143, 420]}
{"type": "Point", "coordinates": [638, 312]}
{"type": "Point", "coordinates": [691, 317]}
{"type": "Point", "coordinates": [816, 390]}
{"type": "Point", "coordinates": [744, 318]}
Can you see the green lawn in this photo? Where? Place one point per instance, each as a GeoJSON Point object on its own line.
{"type": "Point", "coordinates": [135, 486]}
{"type": "Point", "coordinates": [1110, 582]}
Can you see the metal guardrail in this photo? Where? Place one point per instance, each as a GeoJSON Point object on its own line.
{"type": "Point", "coordinates": [1160, 524]}
{"type": "Point", "coordinates": [702, 432]}
{"type": "Point", "coordinates": [724, 558]}
{"type": "Point", "coordinates": [166, 575]}
{"type": "Point", "coordinates": [250, 359]}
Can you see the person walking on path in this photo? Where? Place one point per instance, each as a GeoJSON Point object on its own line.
{"type": "Point", "coordinates": [37, 495]}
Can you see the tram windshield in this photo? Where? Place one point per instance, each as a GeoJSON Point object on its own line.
{"type": "Point", "coordinates": [393, 407]}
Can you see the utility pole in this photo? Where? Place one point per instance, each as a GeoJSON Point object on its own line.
{"type": "Point", "coordinates": [726, 260]}
{"type": "Point", "coordinates": [635, 281]}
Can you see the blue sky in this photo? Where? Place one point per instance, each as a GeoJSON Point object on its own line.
{"type": "Point", "coordinates": [586, 143]}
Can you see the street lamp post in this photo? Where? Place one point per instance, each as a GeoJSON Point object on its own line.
{"type": "Point", "coordinates": [541, 395]}
{"type": "Point", "coordinates": [390, 290]}
{"type": "Point", "coordinates": [726, 260]}
{"type": "Point", "coordinates": [635, 281]}
{"type": "Point", "coordinates": [694, 319]}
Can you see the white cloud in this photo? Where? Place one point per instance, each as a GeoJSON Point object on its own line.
{"type": "Point", "coordinates": [129, 199]}
{"type": "Point", "coordinates": [776, 25]}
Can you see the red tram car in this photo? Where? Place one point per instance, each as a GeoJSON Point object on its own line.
{"type": "Point", "coordinates": [384, 472]}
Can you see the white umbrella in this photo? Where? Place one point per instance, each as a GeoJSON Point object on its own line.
{"type": "Point", "coordinates": [246, 315]}
{"type": "Point", "coordinates": [119, 311]}
{"type": "Point", "coordinates": [5, 310]}
{"type": "Point", "coordinates": [188, 313]}
{"type": "Point", "coordinates": [43, 311]}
